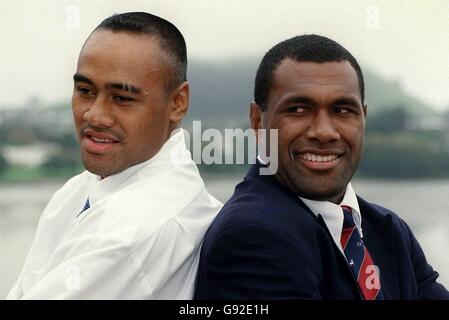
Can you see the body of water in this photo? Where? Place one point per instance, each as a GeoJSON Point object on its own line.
{"type": "Point", "coordinates": [424, 205]}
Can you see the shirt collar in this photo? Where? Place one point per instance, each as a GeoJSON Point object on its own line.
{"type": "Point", "coordinates": [172, 152]}
{"type": "Point", "coordinates": [350, 200]}
{"type": "Point", "coordinates": [333, 213]}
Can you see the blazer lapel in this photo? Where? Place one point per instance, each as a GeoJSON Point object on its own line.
{"type": "Point", "coordinates": [341, 257]}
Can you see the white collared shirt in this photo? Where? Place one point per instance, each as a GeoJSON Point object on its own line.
{"type": "Point", "coordinates": [140, 238]}
{"type": "Point", "coordinates": [333, 213]}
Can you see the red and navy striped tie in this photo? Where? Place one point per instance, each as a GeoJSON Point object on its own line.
{"type": "Point", "coordinates": [359, 259]}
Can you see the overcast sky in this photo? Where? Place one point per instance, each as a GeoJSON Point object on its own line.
{"type": "Point", "coordinates": [403, 40]}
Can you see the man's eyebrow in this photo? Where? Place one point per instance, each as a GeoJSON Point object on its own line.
{"type": "Point", "coordinates": [124, 87]}
{"type": "Point", "coordinates": [347, 101]}
{"type": "Point", "coordinates": [299, 99]}
{"type": "Point", "coordinates": [80, 78]}
{"type": "Point", "coordinates": [307, 100]}
{"type": "Point", "coordinates": [116, 85]}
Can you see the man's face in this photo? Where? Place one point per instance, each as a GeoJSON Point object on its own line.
{"type": "Point", "coordinates": [123, 112]}
{"type": "Point", "coordinates": [318, 112]}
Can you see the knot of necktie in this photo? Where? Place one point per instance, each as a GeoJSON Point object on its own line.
{"type": "Point", "coordinates": [348, 221]}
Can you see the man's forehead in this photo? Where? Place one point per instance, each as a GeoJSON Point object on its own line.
{"type": "Point", "coordinates": [128, 46]}
{"type": "Point", "coordinates": [106, 36]}
{"type": "Point", "coordinates": [324, 72]}
{"type": "Point", "coordinates": [122, 52]}
{"type": "Point", "coordinates": [296, 76]}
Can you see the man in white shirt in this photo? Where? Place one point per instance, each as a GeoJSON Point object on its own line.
{"type": "Point", "coordinates": [302, 233]}
{"type": "Point", "coordinates": [131, 226]}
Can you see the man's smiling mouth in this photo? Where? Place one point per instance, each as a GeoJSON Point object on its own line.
{"type": "Point", "coordinates": [101, 140]}
{"type": "Point", "coordinates": [98, 142]}
{"type": "Point", "coordinates": [318, 158]}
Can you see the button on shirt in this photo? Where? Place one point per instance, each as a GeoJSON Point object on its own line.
{"type": "Point", "coordinates": [333, 213]}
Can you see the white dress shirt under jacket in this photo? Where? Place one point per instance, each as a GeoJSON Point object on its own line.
{"type": "Point", "coordinates": [333, 213]}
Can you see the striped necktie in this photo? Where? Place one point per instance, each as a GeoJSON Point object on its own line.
{"type": "Point", "coordinates": [359, 259]}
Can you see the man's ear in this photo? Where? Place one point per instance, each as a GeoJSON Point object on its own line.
{"type": "Point", "coordinates": [180, 102]}
{"type": "Point", "coordinates": [255, 118]}
{"type": "Point", "coordinates": [365, 109]}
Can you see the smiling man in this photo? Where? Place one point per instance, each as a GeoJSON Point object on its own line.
{"type": "Point", "coordinates": [129, 227]}
{"type": "Point", "coordinates": [302, 233]}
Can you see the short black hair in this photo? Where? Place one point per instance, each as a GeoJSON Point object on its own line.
{"type": "Point", "coordinates": [171, 39]}
{"type": "Point", "coordinates": [304, 48]}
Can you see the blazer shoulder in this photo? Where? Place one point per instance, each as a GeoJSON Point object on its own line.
{"type": "Point", "coordinates": [376, 213]}
{"type": "Point", "coordinates": [255, 203]}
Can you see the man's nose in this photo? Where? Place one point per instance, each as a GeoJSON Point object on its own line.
{"type": "Point", "coordinates": [99, 114]}
{"type": "Point", "coordinates": [322, 128]}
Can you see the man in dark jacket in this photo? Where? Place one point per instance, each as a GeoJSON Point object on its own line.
{"type": "Point", "coordinates": [302, 233]}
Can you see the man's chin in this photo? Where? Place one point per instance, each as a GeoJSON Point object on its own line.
{"type": "Point", "coordinates": [326, 195]}
{"type": "Point", "coordinates": [321, 189]}
{"type": "Point", "coordinates": [99, 170]}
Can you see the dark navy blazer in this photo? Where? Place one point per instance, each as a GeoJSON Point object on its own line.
{"type": "Point", "coordinates": [266, 244]}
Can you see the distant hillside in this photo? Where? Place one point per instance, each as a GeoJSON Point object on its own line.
{"type": "Point", "coordinates": [220, 97]}
{"type": "Point", "coordinates": [382, 94]}
{"type": "Point", "coordinates": [221, 93]}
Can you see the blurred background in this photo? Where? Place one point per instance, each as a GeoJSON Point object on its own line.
{"type": "Point", "coordinates": [402, 46]}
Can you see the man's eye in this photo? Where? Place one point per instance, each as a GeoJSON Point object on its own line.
{"type": "Point", "coordinates": [340, 109]}
{"type": "Point", "coordinates": [297, 109]}
{"type": "Point", "coordinates": [122, 99]}
{"type": "Point", "coordinates": [85, 92]}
